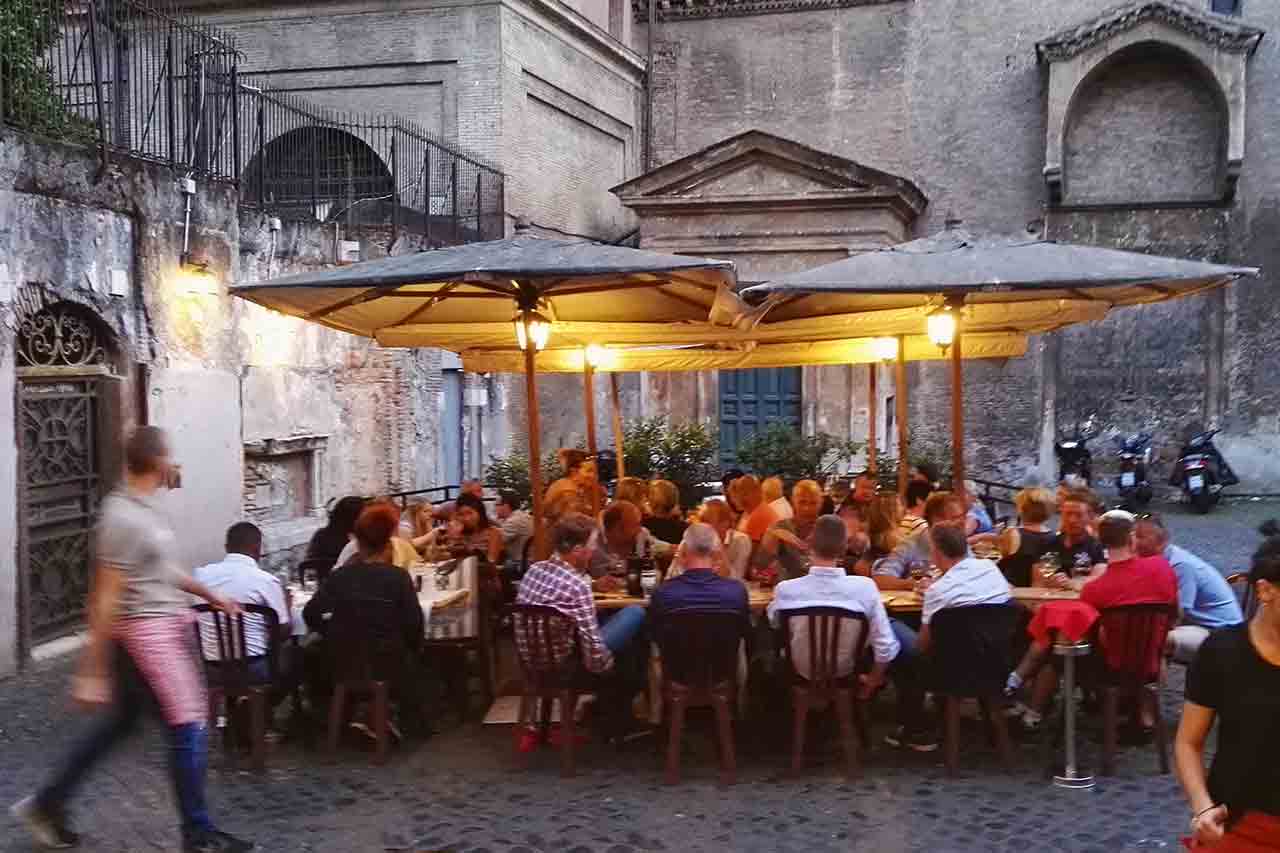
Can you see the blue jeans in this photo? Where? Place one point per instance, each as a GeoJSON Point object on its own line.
{"type": "Point", "coordinates": [622, 628]}
{"type": "Point", "coordinates": [188, 750]}
{"type": "Point", "coordinates": [907, 671]}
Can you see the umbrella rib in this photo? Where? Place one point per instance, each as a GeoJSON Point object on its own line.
{"type": "Point", "coordinates": [683, 299]}
{"type": "Point", "coordinates": [684, 279]}
{"type": "Point", "coordinates": [363, 296]}
{"type": "Point", "coordinates": [486, 285]}
{"type": "Point", "coordinates": [602, 288]}
{"type": "Point", "coordinates": [439, 296]}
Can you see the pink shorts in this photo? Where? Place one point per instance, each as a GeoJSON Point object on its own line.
{"type": "Point", "coordinates": [161, 648]}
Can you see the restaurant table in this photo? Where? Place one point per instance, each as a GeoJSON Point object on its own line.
{"type": "Point", "coordinates": [895, 601]}
{"type": "Point", "coordinates": [431, 599]}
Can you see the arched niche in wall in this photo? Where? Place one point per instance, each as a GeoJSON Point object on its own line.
{"type": "Point", "coordinates": [316, 170]}
{"type": "Point", "coordinates": [1117, 82]}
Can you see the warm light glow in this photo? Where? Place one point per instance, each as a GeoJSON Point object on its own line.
{"type": "Point", "coordinates": [886, 349]}
{"type": "Point", "coordinates": [274, 338]}
{"type": "Point", "coordinates": [598, 356]}
{"type": "Point", "coordinates": [190, 279]}
{"type": "Point", "coordinates": [531, 325]}
{"type": "Point", "coordinates": [942, 327]}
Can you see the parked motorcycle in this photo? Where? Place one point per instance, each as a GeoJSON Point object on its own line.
{"type": "Point", "coordinates": [1074, 456]}
{"type": "Point", "coordinates": [1135, 457]}
{"type": "Point", "coordinates": [1202, 472]}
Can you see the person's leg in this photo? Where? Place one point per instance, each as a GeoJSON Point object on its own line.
{"type": "Point", "coordinates": [908, 679]}
{"type": "Point", "coordinates": [188, 763]}
{"type": "Point", "coordinates": [620, 630]}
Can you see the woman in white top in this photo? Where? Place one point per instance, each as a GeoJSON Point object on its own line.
{"type": "Point", "coordinates": [735, 550]}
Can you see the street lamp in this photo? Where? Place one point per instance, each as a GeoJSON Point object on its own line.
{"type": "Point", "coordinates": [531, 327]}
{"type": "Point", "coordinates": [885, 349]}
{"type": "Point", "coordinates": [942, 325]}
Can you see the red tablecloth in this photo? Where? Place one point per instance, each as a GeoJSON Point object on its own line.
{"type": "Point", "coordinates": [1072, 620]}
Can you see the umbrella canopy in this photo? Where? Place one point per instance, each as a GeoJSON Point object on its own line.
{"type": "Point", "coordinates": [1009, 284]}
{"type": "Point", "coordinates": [467, 295]}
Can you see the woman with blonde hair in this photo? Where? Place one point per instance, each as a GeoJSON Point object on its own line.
{"type": "Point", "coordinates": [632, 490]}
{"type": "Point", "coordinates": [664, 518]}
{"type": "Point", "coordinates": [735, 550]}
{"type": "Point", "coordinates": [884, 532]}
{"type": "Point", "coordinates": [1022, 546]}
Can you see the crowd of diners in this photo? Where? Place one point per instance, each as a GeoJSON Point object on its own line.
{"type": "Point", "coordinates": [840, 544]}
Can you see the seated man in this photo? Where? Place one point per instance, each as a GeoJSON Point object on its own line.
{"type": "Point", "coordinates": [1205, 599]}
{"type": "Point", "coordinates": [1079, 554]}
{"type": "Point", "coordinates": [827, 585]}
{"type": "Point", "coordinates": [624, 536]}
{"type": "Point", "coordinates": [913, 556]}
{"type": "Point", "coordinates": [238, 578]}
{"type": "Point", "coordinates": [699, 586]}
{"type": "Point", "coordinates": [559, 582]}
{"type": "Point", "coordinates": [788, 542]}
{"type": "Point", "coordinates": [371, 575]}
{"type": "Point", "coordinates": [516, 525]}
{"type": "Point", "coordinates": [966, 580]}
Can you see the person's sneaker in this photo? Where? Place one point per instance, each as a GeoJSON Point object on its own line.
{"type": "Point", "coordinates": [48, 829]}
{"type": "Point", "coordinates": [1017, 709]}
{"type": "Point", "coordinates": [919, 741]}
{"type": "Point", "coordinates": [1030, 721]}
{"type": "Point", "coordinates": [213, 841]}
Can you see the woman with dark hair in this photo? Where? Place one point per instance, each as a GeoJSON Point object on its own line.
{"type": "Point", "coordinates": [327, 543]}
{"type": "Point", "coordinates": [1235, 680]}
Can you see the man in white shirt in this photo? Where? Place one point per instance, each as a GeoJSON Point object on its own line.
{"type": "Point", "coordinates": [965, 581]}
{"type": "Point", "coordinates": [516, 525]}
{"type": "Point", "coordinates": [238, 578]}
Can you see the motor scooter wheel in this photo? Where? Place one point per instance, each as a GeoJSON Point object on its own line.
{"type": "Point", "coordinates": [1202, 501]}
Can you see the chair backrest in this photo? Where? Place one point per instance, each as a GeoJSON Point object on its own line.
{"type": "Point", "coordinates": [220, 640]}
{"type": "Point", "coordinates": [1132, 640]}
{"type": "Point", "coordinates": [824, 644]}
{"type": "Point", "coordinates": [971, 648]}
{"type": "Point", "coordinates": [317, 568]}
{"type": "Point", "coordinates": [700, 647]}
{"type": "Point", "coordinates": [365, 639]}
{"type": "Point", "coordinates": [1244, 594]}
{"type": "Point", "coordinates": [546, 645]}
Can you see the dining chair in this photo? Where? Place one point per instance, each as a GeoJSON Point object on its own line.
{"type": "Point", "coordinates": [1239, 583]}
{"type": "Point", "coordinates": [220, 643]}
{"type": "Point", "coordinates": [823, 647]}
{"type": "Point", "coordinates": [970, 656]}
{"type": "Point", "coordinates": [457, 636]}
{"type": "Point", "coordinates": [700, 668]}
{"type": "Point", "coordinates": [369, 655]}
{"type": "Point", "coordinates": [1131, 641]}
{"type": "Point", "coordinates": [550, 661]}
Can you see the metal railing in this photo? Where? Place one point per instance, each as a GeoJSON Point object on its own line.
{"type": "Point", "coordinates": [137, 79]}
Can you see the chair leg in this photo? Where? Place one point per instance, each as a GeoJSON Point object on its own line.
{"type": "Point", "coordinates": [337, 707]}
{"type": "Point", "coordinates": [1162, 744]}
{"type": "Point", "coordinates": [951, 737]}
{"type": "Point", "coordinates": [676, 708]}
{"type": "Point", "coordinates": [799, 720]}
{"type": "Point", "coordinates": [258, 726]}
{"type": "Point", "coordinates": [568, 725]}
{"type": "Point", "coordinates": [1110, 723]}
{"type": "Point", "coordinates": [1000, 729]}
{"type": "Point", "coordinates": [864, 730]}
{"type": "Point", "coordinates": [382, 731]}
{"type": "Point", "coordinates": [844, 711]}
{"type": "Point", "coordinates": [522, 725]}
{"type": "Point", "coordinates": [724, 723]}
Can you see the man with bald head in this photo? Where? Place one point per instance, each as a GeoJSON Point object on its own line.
{"type": "Point", "coordinates": [622, 536]}
{"type": "Point", "coordinates": [699, 587]}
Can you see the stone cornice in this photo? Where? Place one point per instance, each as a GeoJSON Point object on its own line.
{"type": "Point", "coordinates": [683, 10]}
{"type": "Point", "coordinates": [1218, 31]}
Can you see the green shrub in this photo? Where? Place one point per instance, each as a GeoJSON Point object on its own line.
{"type": "Point", "coordinates": [511, 473]}
{"type": "Point", "coordinates": [32, 101]}
{"type": "Point", "coordinates": [684, 453]}
{"type": "Point", "coordinates": [782, 450]}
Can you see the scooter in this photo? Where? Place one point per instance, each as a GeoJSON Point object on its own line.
{"type": "Point", "coordinates": [1202, 472]}
{"type": "Point", "coordinates": [1135, 456]}
{"type": "Point", "coordinates": [1074, 457]}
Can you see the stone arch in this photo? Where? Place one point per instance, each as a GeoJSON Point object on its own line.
{"type": "Point", "coordinates": [1148, 124]}
{"type": "Point", "coordinates": [316, 169]}
{"type": "Point", "coordinates": [65, 334]}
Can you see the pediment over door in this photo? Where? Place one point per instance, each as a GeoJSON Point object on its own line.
{"type": "Point", "coordinates": [771, 204]}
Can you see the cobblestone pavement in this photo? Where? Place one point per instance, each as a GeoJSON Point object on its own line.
{"type": "Point", "coordinates": [459, 792]}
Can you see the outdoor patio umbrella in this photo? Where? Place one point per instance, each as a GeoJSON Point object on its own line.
{"type": "Point", "coordinates": [955, 283]}
{"type": "Point", "coordinates": [504, 292]}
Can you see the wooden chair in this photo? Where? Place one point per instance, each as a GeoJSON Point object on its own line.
{"type": "Point", "coordinates": [368, 656]}
{"type": "Point", "coordinates": [1131, 644]}
{"type": "Point", "coordinates": [700, 667]}
{"type": "Point", "coordinates": [1240, 585]}
{"type": "Point", "coordinates": [229, 675]}
{"type": "Point", "coordinates": [814, 639]}
{"type": "Point", "coordinates": [971, 653]}
{"type": "Point", "coordinates": [550, 661]}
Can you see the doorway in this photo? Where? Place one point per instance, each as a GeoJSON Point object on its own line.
{"type": "Point", "coordinates": [753, 399]}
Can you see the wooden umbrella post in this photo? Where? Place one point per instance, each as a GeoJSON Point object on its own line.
{"type": "Point", "coordinates": [617, 424]}
{"type": "Point", "coordinates": [873, 414]}
{"type": "Point", "coordinates": [589, 401]}
{"type": "Point", "coordinates": [535, 451]}
{"type": "Point", "coordinates": [957, 414]}
{"type": "Point", "coordinates": [900, 403]}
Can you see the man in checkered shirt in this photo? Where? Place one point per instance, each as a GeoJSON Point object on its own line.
{"type": "Point", "coordinates": [562, 583]}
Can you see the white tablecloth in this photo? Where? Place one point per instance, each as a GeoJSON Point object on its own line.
{"type": "Point", "coordinates": [449, 621]}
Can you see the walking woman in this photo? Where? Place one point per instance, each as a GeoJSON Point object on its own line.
{"type": "Point", "coordinates": [139, 654]}
{"type": "Point", "coordinates": [1235, 680]}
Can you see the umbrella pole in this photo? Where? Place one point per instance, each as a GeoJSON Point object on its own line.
{"type": "Point", "coordinates": [873, 414]}
{"type": "Point", "coordinates": [589, 401]}
{"type": "Point", "coordinates": [900, 402]}
{"type": "Point", "coordinates": [957, 415]}
{"type": "Point", "coordinates": [535, 453]}
{"type": "Point", "coordinates": [617, 424]}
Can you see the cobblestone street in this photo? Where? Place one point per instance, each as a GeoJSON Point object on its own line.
{"type": "Point", "coordinates": [458, 791]}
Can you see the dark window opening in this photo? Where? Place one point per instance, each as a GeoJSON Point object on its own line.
{"type": "Point", "coordinates": [1225, 7]}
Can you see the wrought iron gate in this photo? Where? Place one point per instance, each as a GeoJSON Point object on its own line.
{"type": "Point", "coordinates": [58, 422]}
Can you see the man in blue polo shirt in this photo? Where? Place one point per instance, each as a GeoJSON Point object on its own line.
{"type": "Point", "coordinates": [698, 587]}
{"type": "Point", "coordinates": [1204, 596]}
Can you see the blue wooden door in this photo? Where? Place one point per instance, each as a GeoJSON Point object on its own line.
{"type": "Point", "coordinates": [753, 399]}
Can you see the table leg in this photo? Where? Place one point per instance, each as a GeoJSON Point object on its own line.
{"type": "Point", "coordinates": [1070, 778]}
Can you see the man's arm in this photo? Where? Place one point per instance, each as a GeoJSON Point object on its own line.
{"type": "Point", "coordinates": [104, 597]}
{"type": "Point", "coordinates": [598, 658]}
{"type": "Point", "coordinates": [923, 639]}
{"type": "Point", "coordinates": [191, 586]}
